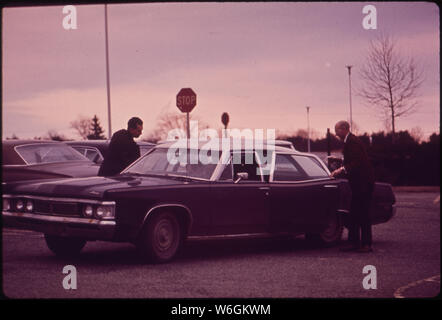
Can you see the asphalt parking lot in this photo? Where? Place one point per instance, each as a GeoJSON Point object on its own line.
{"type": "Point", "coordinates": [406, 261]}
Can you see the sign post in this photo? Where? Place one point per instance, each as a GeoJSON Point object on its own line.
{"type": "Point", "coordinates": [186, 101]}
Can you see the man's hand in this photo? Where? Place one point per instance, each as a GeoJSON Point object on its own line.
{"type": "Point", "coordinates": [337, 172]}
{"type": "Point", "coordinates": [333, 158]}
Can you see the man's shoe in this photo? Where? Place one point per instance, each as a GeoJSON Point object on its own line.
{"type": "Point", "coordinates": [365, 249]}
{"type": "Point", "coordinates": [349, 248]}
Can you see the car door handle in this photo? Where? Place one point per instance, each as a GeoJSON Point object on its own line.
{"type": "Point", "coordinates": [331, 186]}
{"type": "Point", "coordinates": [266, 189]}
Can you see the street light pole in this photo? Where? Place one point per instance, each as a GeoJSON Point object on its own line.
{"type": "Point", "coordinates": [308, 129]}
{"type": "Point", "coordinates": [349, 87]}
{"type": "Point", "coordinates": [107, 75]}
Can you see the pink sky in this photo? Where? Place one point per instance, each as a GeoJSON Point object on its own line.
{"type": "Point", "coordinates": [263, 63]}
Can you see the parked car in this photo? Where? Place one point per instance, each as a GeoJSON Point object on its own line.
{"type": "Point", "coordinates": [285, 143]}
{"type": "Point", "coordinates": [158, 202]}
{"type": "Point", "coordinates": [39, 159]}
{"type": "Point", "coordinates": [95, 150]}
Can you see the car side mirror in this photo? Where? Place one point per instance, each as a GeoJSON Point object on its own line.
{"type": "Point", "coordinates": [241, 176]}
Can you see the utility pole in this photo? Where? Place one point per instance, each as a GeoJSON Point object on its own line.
{"type": "Point", "coordinates": [308, 129]}
{"type": "Point", "coordinates": [349, 86]}
{"type": "Point", "coordinates": [107, 75]}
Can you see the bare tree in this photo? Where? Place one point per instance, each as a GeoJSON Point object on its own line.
{"type": "Point", "coordinates": [417, 133]}
{"type": "Point", "coordinates": [391, 82]}
{"type": "Point", "coordinates": [169, 121]}
{"type": "Point", "coordinates": [13, 137]}
{"type": "Point", "coordinates": [355, 129]}
{"type": "Point", "coordinates": [303, 133]}
{"type": "Point", "coordinates": [82, 125]}
{"type": "Point", "coordinates": [54, 135]}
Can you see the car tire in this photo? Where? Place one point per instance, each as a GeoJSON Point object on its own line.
{"type": "Point", "coordinates": [64, 246]}
{"type": "Point", "coordinates": [331, 235]}
{"type": "Point", "coordinates": [161, 238]}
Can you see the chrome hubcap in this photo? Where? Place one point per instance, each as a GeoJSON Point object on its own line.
{"type": "Point", "coordinates": [164, 235]}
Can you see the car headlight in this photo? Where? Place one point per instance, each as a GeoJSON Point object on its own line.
{"type": "Point", "coordinates": [88, 211]}
{"type": "Point", "coordinates": [19, 205]}
{"type": "Point", "coordinates": [105, 212]}
{"type": "Point", "coordinates": [6, 204]}
{"type": "Point", "coordinates": [29, 206]}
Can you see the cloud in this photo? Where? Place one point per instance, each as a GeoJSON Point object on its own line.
{"type": "Point", "coordinates": [261, 62]}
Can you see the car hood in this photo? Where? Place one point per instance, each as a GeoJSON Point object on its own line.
{"type": "Point", "coordinates": [54, 170]}
{"type": "Point", "coordinates": [70, 169]}
{"type": "Point", "coordinates": [90, 187]}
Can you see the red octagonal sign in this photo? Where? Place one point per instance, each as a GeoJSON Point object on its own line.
{"type": "Point", "coordinates": [186, 100]}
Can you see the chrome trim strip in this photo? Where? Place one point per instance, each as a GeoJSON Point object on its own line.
{"type": "Point", "coordinates": [170, 205]}
{"type": "Point", "coordinates": [334, 186]}
{"type": "Point", "coordinates": [301, 181]}
{"type": "Point", "coordinates": [59, 199]}
{"type": "Point", "coordinates": [236, 236]}
{"type": "Point", "coordinates": [60, 219]}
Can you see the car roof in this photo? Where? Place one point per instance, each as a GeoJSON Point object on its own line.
{"type": "Point", "coordinates": [102, 142]}
{"type": "Point", "coordinates": [18, 142]}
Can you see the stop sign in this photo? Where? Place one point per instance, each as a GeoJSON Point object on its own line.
{"type": "Point", "coordinates": [186, 100]}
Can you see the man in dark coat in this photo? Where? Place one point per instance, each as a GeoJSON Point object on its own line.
{"type": "Point", "coordinates": [123, 150]}
{"type": "Point", "coordinates": [359, 173]}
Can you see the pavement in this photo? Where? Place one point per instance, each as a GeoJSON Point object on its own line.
{"type": "Point", "coordinates": [405, 264]}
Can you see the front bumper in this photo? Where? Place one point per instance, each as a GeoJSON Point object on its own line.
{"type": "Point", "coordinates": [89, 229]}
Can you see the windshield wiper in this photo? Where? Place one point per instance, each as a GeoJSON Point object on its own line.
{"type": "Point", "coordinates": [178, 177]}
{"type": "Point", "coordinates": [165, 175]}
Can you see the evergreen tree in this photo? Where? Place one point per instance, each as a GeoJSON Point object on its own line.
{"type": "Point", "coordinates": [96, 130]}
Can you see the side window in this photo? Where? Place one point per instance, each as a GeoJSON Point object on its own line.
{"type": "Point", "coordinates": [246, 162]}
{"type": "Point", "coordinates": [286, 169]}
{"type": "Point", "coordinates": [82, 150]}
{"type": "Point", "coordinates": [94, 155]}
{"type": "Point", "coordinates": [311, 166]}
{"type": "Point", "coordinates": [227, 172]}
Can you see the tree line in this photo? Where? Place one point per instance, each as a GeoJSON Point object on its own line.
{"type": "Point", "coordinates": [404, 161]}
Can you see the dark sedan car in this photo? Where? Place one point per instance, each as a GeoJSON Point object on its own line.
{"type": "Point", "coordinates": [170, 195]}
{"type": "Point", "coordinates": [39, 159]}
{"type": "Point", "coordinates": [95, 150]}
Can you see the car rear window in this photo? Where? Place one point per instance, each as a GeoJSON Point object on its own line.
{"type": "Point", "coordinates": [47, 153]}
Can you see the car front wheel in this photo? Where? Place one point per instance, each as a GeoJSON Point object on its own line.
{"type": "Point", "coordinates": [64, 246]}
{"type": "Point", "coordinates": [161, 238]}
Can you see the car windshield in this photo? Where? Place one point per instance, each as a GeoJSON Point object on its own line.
{"type": "Point", "coordinates": [47, 153]}
{"type": "Point", "coordinates": [157, 162]}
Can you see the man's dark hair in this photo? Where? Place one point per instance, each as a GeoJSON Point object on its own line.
{"type": "Point", "coordinates": [134, 122]}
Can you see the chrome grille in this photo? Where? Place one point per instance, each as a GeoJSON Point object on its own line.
{"type": "Point", "coordinates": [57, 208]}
